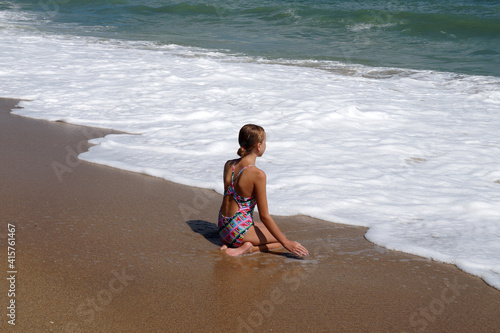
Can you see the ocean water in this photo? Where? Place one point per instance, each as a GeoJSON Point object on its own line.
{"type": "Point", "coordinates": [382, 114]}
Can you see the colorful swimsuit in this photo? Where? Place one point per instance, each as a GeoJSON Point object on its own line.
{"type": "Point", "coordinates": [233, 229]}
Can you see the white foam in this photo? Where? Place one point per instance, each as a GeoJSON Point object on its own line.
{"type": "Point", "coordinates": [367, 26]}
{"type": "Point", "coordinates": [414, 155]}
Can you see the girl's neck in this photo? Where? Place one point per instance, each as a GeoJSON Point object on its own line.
{"type": "Point", "coordinates": [249, 159]}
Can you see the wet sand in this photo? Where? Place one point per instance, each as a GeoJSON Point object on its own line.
{"type": "Point", "coordinates": [105, 250]}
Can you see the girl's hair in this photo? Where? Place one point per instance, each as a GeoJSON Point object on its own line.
{"type": "Point", "coordinates": [250, 135]}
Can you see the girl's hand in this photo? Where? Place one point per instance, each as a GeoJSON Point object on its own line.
{"type": "Point", "coordinates": [296, 248]}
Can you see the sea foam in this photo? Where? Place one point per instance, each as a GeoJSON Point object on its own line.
{"type": "Point", "coordinates": [413, 155]}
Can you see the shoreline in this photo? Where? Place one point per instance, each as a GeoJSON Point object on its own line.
{"type": "Point", "coordinates": [101, 249]}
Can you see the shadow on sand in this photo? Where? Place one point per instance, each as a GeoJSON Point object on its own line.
{"type": "Point", "coordinates": [206, 229]}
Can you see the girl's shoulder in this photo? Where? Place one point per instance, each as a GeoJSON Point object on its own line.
{"type": "Point", "coordinates": [229, 164]}
{"type": "Point", "coordinates": [251, 170]}
{"type": "Point", "coordinates": [254, 172]}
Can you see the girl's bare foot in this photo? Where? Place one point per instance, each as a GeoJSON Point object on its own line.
{"type": "Point", "coordinates": [243, 249]}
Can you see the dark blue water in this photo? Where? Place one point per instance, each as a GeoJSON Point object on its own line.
{"type": "Point", "coordinates": [449, 35]}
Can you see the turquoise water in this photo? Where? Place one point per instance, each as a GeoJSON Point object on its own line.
{"type": "Point", "coordinates": [451, 36]}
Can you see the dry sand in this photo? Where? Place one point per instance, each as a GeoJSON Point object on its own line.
{"type": "Point", "coordinates": [104, 250]}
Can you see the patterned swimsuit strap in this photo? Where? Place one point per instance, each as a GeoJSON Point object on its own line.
{"type": "Point", "coordinates": [239, 173]}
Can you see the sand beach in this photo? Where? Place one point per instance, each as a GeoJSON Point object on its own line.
{"type": "Point", "coordinates": [99, 249]}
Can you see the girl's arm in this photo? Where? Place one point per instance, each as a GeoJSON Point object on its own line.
{"type": "Point", "coordinates": [226, 174]}
{"type": "Point", "coordinates": [265, 217]}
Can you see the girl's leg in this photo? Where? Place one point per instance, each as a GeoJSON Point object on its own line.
{"type": "Point", "coordinates": [257, 239]}
{"type": "Point", "coordinates": [265, 247]}
{"type": "Point", "coordinates": [248, 248]}
{"type": "Point", "coordinates": [261, 239]}
{"type": "Point", "coordinates": [238, 251]}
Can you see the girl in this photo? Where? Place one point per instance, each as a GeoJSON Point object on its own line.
{"type": "Point", "coordinates": [245, 187]}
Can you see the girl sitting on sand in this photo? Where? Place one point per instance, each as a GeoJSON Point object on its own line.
{"type": "Point", "coordinates": [245, 187]}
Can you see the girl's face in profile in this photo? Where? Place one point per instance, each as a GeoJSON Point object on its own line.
{"type": "Point", "coordinates": [262, 146]}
